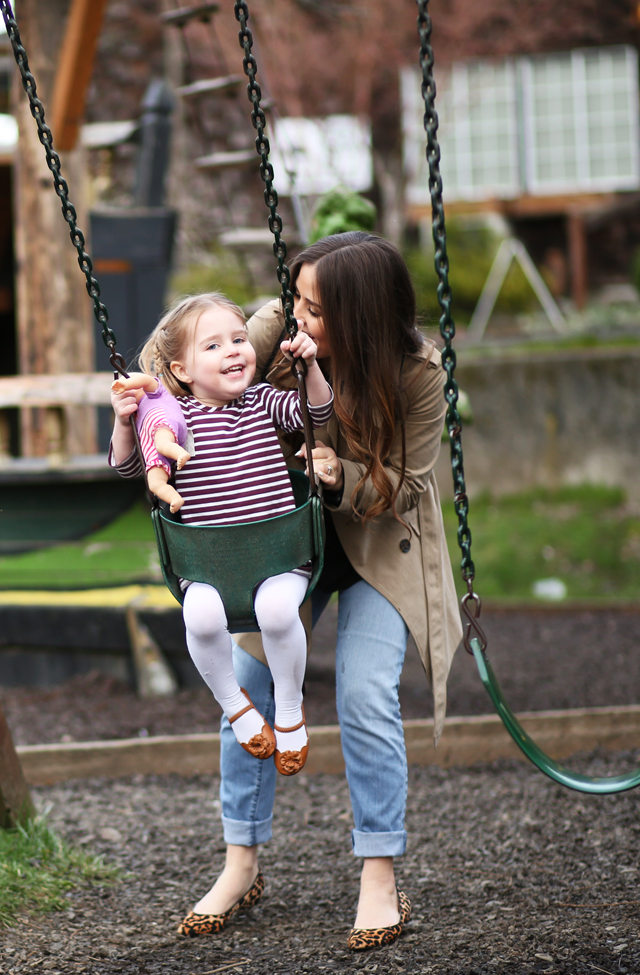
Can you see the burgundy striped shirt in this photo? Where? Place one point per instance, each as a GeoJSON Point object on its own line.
{"type": "Point", "coordinates": [238, 473]}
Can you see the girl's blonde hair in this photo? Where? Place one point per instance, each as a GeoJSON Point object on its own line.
{"type": "Point", "coordinates": [175, 329]}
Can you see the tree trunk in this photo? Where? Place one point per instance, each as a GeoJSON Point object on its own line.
{"type": "Point", "coordinates": [16, 804]}
{"type": "Point", "coordinates": [55, 332]}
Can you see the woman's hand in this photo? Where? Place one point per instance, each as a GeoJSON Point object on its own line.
{"type": "Point", "coordinates": [300, 346]}
{"type": "Point", "coordinates": [326, 465]}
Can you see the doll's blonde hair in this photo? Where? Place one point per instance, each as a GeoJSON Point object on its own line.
{"type": "Point", "coordinates": [174, 331]}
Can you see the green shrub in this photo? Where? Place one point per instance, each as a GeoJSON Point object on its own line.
{"type": "Point", "coordinates": [635, 268]}
{"type": "Point", "coordinates": [342, 210]}
{"type": "Point", "coordinates": [471, 251]}
{"type": "Point", "coordinates": [223, 274]}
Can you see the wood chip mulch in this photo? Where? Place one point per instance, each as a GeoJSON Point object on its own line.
{"type": "Point", "coordinates": [507, 873]}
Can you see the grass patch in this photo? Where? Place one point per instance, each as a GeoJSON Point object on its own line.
{"type": "Point", "coordinates": [37, 869]}
{"type": "Point", "coordinates": [584, 536]}
{"type": "Point", "coordinates": [120, 553]}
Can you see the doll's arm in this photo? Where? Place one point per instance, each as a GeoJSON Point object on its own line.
{"type": "Point", "coordinates": [138, 382]}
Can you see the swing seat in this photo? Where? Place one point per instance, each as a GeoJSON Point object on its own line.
{"type": "Point", "coordinates": [235, 559]}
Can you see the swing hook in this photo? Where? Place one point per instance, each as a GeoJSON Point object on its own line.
{"type": "Point", "coordinates": [471, 607]}
{"type": "Point", "coordinates": [118, 362]}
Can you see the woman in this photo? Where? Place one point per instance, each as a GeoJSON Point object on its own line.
{"type": "Point", "coordinates": [386, 556]}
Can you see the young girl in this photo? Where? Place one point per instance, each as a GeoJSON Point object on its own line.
{"type": "Point", "coordinates": [201, 354]}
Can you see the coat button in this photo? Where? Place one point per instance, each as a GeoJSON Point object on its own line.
{"type": "Point", "coordinates": [405, 545]}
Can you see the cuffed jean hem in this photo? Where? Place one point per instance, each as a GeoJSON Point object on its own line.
{"type": "Point", "coordinates": [241, 833]}
{"type": "Point", "coordinates": [379, 844]}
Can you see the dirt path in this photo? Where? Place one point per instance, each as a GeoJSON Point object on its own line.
{"type": "Point", "coordinates": [507, 872]}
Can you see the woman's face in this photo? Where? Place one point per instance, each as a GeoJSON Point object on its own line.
{"type": "Point", "coordinates": [308, 311]}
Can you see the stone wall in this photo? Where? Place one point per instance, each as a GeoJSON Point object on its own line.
{"type": "Point", "coordinates": [550, 419]}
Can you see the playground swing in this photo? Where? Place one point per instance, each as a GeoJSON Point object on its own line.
{"type": "Point", "coordinates": [232, 558]}
{"type": "Point", "coordinates": [475, 641]}
{"type": "Point", "coordinates": [186, 550]}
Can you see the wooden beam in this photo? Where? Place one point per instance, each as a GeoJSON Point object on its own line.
{"type": "Point", "coordinates": [577, 236]}
{"type": "Point", "coordinates": [54, 320]}
{"type": "Point", "coordinates": [82, 389]}
{"type": "Point", "coordinates": [523, 207]}
{"type": "Point", "coordinates": [465, 741]}
{"type": "Point", "coordinates": [75, 67]}
{"type": "Point", "coordinates": [15, 799]}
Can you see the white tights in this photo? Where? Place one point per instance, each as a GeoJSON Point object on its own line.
{"type": "Point", "coordinates": [284, 640]}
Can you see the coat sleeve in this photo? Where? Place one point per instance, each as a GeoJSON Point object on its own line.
{"type": "Point", "coordinates": [423, 434]}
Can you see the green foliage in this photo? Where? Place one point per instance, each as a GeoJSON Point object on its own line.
{"type": "Point", "coordinates": [471, 251]}
{"type": "Point", "coordinates": [224, 274]}
{"type": "Point", "coordinates": [122, 552]}
{"type": "Point", "coordinates": [584, 536]}
{"type": "Point", "coordinates": [37, 869]}
{"type": "Point", "coordinates": [635, 268]}
{"type": "Point", "coordinates": [340, 211]}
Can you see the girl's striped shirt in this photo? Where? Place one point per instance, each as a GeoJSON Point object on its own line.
{"type": "Point", "coordinates": [238, 473]}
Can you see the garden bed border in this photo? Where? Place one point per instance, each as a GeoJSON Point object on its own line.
{"type": "Point", "coordinates": [465, 741]}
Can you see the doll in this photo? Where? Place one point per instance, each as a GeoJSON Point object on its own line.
{"type": "Point", "coordinates": [163, 433]}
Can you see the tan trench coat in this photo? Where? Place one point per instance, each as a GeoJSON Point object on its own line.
{"type": "Point", "coordinates": [419, 583]}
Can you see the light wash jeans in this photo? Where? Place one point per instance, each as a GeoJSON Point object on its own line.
{"type": "Point", "coordinates": [372, 640]}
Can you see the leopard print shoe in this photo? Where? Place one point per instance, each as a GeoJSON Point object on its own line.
{"type": "Point", "coordinates": [362, 939]}
{"type": "Point", "coordinates": [196, 924]}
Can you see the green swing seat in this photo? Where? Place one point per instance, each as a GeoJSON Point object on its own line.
{"type": "Point", "coordinates": [235, 559]}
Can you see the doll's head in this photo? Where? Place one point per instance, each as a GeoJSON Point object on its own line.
{"type": "Point", "coordinates": [201, 346]}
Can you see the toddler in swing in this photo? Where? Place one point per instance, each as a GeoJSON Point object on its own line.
{"type": "Point", "coordinates": [196, 406]}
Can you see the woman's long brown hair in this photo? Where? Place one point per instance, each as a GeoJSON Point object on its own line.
{"type": "Point", "coordinates": [368, 310]}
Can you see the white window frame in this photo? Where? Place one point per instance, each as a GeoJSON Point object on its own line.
{"type": "Point", "coordinates": [524, 154]}
{"type": "Point", "coordinates": [584, 182]}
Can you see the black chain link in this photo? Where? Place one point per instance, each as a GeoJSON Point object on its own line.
{"type": "Point", "coordinates": [447, 326]}
{"type": "Point", "coordinates": [60, 184]}
{"type": "Point", "coordinates": [263, 148]}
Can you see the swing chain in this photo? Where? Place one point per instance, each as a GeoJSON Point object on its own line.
{"type": "Point", "coordinates": [263, 148]}
{"type": "Point", "coordinates": [59, 182]}
{"type": "Point", "coordinates": [447, 326]}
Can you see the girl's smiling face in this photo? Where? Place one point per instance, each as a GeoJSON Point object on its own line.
{"type": "Point", "coordinates": [308, 311]}
{"type": "Point", "coordinates": [219, 363]}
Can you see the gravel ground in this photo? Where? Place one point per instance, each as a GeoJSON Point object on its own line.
{"type": "Point", "coordinates": [545, 659]}
{"type": "Point", "coordinates": [507, 872]}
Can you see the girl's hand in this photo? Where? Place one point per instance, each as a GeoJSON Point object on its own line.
{"type": "Point", "coordinates": [124, 405]}
{"type": "Point", "coordinates": [326, 465]}
{"type": "Point", "coordinates": [302, 346]}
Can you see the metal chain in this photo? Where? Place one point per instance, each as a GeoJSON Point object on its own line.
{"type": "Point", "coordinates": [60, 184]}
{"type": "Point", "coordinates": [259, 121]}
{"type": "Point", "coordinates": [471, 602]}
{"type": "Point", "coordinates": [263, 148]}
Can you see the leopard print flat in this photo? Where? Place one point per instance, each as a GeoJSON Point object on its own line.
{"type": "Point", "coordinates": [362, 939]}
{"type": "Point", "coordinates": [196, 924]}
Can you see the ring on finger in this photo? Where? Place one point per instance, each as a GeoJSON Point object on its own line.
{"type": "Point", "coordinates": [329, 469]}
